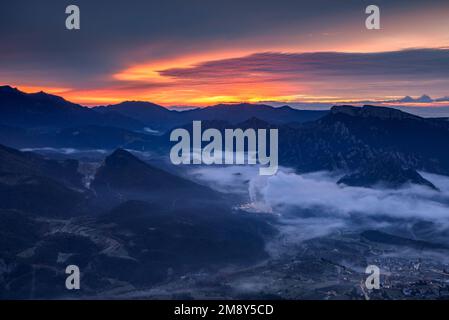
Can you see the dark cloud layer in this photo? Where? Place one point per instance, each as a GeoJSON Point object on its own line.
{"type": "Point", "coordinates": [417, 63]}
{"type": "Point", "coordinates": [113, 33]}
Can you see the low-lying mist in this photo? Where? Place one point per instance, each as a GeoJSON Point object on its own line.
{"type": "Point", "coordinates": [314, 205]}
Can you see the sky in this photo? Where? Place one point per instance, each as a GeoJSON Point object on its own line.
{"type": "Point", "coordinates": [203, 52]}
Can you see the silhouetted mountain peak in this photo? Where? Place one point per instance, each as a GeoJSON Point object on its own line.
{"type": "Point", "coordinates": [423, 98]}
{"type": "Point", "coordinates": [137, 104]}
{"type": "Point", "coordinates": [346, 109]}
{"type": "Point", "coordinates": [31, 98]}
{"type": "Point", "coordinates": [384, 171]}
{"type": "Point", "coordinates": [285, 108]}
{"type": "Point", "coordinates": [407, 99]}
{"type": "Point", "coordinates": [40, 109]}
{"type": "Point", "coordinates": [123, 176]}
{"type": "Point", "coordinates": [122, 153]}
{"type": "Point", "coordinates": [9, 90]}
{"type": "Point", "coordinates": [130, 169]}
{"type": "Point", "coordinates": [121, 169]}
{"type": "Point", "coordinates": [46, 97]}
{"type": "Point", "coordinates": [368, 111]}
{"type": "Point", "coordinates": [121, 158]}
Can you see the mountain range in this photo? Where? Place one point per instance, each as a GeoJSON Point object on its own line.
{"type": "Point", "coordinates": [422, 99]}
{"type": "Point", "coordinates": [45, 111]}
{"type": "Point", "coordinates": [130, 224]}
{"type": "Point", "coordinates": [349, 137]}
{"type": "Point", "coordinates": [346, 138]}
{"type": "Point", "coordinates": [158, 117]}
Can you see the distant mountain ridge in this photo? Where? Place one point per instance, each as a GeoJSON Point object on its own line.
{"type": "Point", "coordinates": [422, 99]}
{"type": "Point", "coordinates": [153, 115]}
{"type": "Point", "coordinates": [344, 138]}
{"type": "Point", "coordinates": [42, 110]}
{"type": "Point", "coordinates": [158, 117]}
{"type": "Point", "coordinates": [373, 111]}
